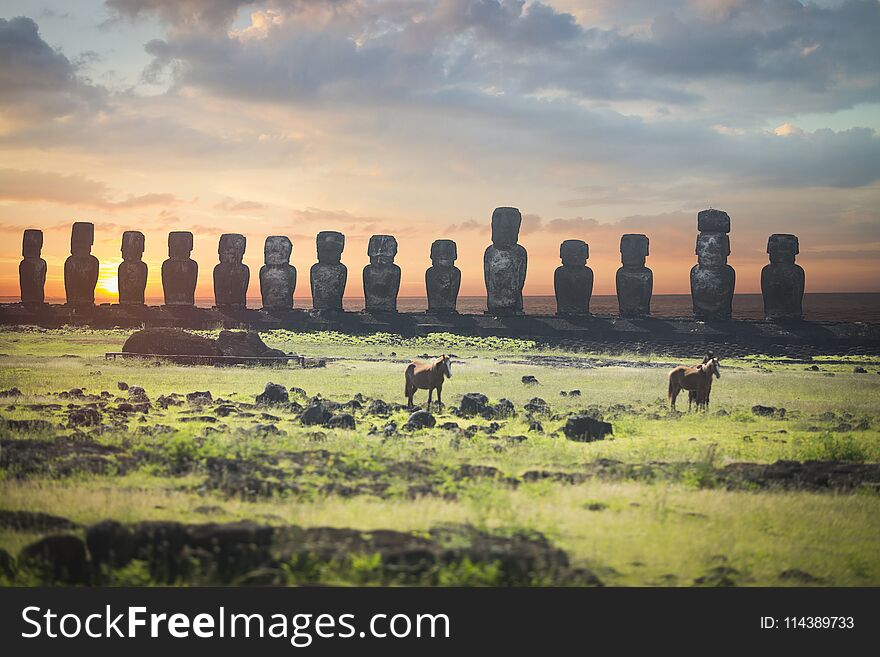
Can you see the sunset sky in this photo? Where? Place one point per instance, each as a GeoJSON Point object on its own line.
{"type": "Point", "coordinates": [416, 118]}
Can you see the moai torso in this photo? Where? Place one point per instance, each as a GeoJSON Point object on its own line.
{"type": "Point", "coordinates": [782, 281]}
{"type": "Point", "coordinates": [81, 268]}
{"type": "Point", "coordinates": [712, 279]}
{"type": "Point", "coordinates": [277, 276]}
{"type": "Point", "coordinates": [328, 276]}
{"type": "Point", "coordinates": [443, 278]}
{"type": "Point", "coordinates": [381, 276]}
{"type": "Point", "coordinates": [32, 269]}
{"type": "Point", "coordinates": [573, 281]}
{"type": "Point", "coordinates": [635, 282]}
{"type": "Point", "coordinates": [132, 273]}
{"type": "Point", "coordinates": [231, 277]}
{"type": "Point", "coordinates": [504, 264]}
{"type": "Point", "coordinates": [180, 273]}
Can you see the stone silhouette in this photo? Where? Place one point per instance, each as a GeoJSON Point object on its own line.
{"type": "Point", "coordinates": [712, 279]}
{"type": "Point", "coordinates": [443, 278]}
{"type": "Point", "coordinates": [32, 269]}
{"type": "Point", "coordinates": [635, 282]}
{"type": "Point", "coordinates": [231, 277]}
{"type": "Point", "coordinates": [504, 264]}
{"type": "Point", "coordinates": [573, 281]}
{"type": "Point", "coordinates": [132, 273]}
{"type": "Point", "coordinates": [180, 273]}
{"type": "Point", "coordinates": [328, 275]}
{"type": "Point", "coordinates": [277, 276]}
{"type": "Point", "coordinates": [782, 281]}
{"type": "Point", "coordinates": [81, 268]}
{"type": "Point", "coordinates": [381, 276]}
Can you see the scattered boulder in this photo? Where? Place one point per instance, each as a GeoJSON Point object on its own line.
{"type": "Point", "coordinates": [7, 564]}
{"type": "Point", "coordinates": [474, 403]}
{"type": "Point", "coordinates": [390, 429]}
{"type": "Point", "coordinates": [273, 393]}
{"type": "Point", "coordinates": [164, 401]}
{"type": "Point", "coordinates": [85, 416]}
{"type": "Point", "coordinates": [574, 393]}
{"type": "Point", "coordinates": [530, 380]}
{"type": "Point", "coordinates": [504, 408]}
{"type": "Point", "coordinates": [137, 394]}
{"type": "Point", "coordinates": [12, 392]}
{"type": "Point", "coordinates": [379, 407]}
{"type": "Point", "coordinates": [200, 398]}
{"type": "Point", "coordinates": [584, 428]}
{"type": "Point", "coordinates": [341, 421]}
{"type": "Point", "coordinates": [315, 413]}
{"type": "Point", "coordinates": [536, 426]}
{"type": "Point", "coordinates": [110, 543]}
{"type": "Point", "coordinates": [122, 385]}
{"type": "Point", "coordinates": [812, 368]}
{"type": "Point", "coordinates": [421, 419]}
{"type": "Point", "coordinates": [798, 576]}
{"type": "Point", "coordinates": [57, 558]}
{"type": "Point", "coordinates": [768, 411]}
{"type": "Point", "coordinates": [34, 521]}
{"type": "Point", "coordinates": [538, 406]}
{"type": "Point", "coordinates": [858, 369]}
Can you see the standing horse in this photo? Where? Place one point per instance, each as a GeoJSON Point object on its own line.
{"type": "Point", "coordinates": [427, 376]}
{"type": "Point", "coordinates": [696, 380]}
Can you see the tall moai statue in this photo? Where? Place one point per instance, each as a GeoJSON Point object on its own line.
{"type": "Point", "coordinates": [504, 264]}
{"type": "Point", "coordinates": [132, 273]}
{"type": "Point", "coordinates": [712, 279]}
{"type": "Point", "coordinates": [381, 276]}
{"type": "Point", "coordinates": [635, 282]}
{"type": "Point", "coordinates": [180, 273]}
{"type": "Point", "coordinates": [231, 276]}
{"type": "Point", "coordinates": [81, 268]}
{"type": "Point", "coordinates": [32, 269]}
{"type": "Point", "coordinates": [782, 281]}
{"type": "Point", "coordinates": [573, 281]}
{"type": "Point", "coordinates": [328, 275]}
{"type": "Point", "coordinates": [277, 276]}
{"type": "Point", "coordinates": [443, 278]}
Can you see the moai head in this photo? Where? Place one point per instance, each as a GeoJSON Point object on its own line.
{"type": "Point", "coordinates": [132, 245]}
{"type": "Point", "coordinates": [505, 227]}
{"type": "Point", "coordinates": [180, 244]}
{"type": "Point", "coordinates": [633, 250]}
{"type": "Point", "coordinates": [382, 249]}
{"type": "Point", "coordinates": [712, 249]}
{"type": "Point", "coordinates": [330, 245]}
{"type": "Point", "coordinates": [32, 243]}
{"type": "Point", "coordinates": [82, 237]}
{"type": "Point", "coordinates": [443, 253]}
{"type": "Point", "coordinates": [574, 253]}
{"type": "Point", "coordinates": [231, 247]}
{"type": "Point", "coordinates": [713, 221]}
{"type": "Point", "coordinates": [277, 250]}
{"type": "Point", "coordinates": [782, 248]}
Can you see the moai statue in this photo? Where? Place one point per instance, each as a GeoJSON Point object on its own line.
{"type": "Point", "coordinates": [504, 264]}
{"type": "Point", "coordinates": [381, 276]}
{"type": "Point", "coordinates": [328, 275]}
{"type": "Point", "coordinates": [32, 269]}
{"type": "Point", "coordinates": [712, 279]}
{"type": "Point", "coordinates": [81, 268]}
{"type": "Point", "coordinates": [231, 277]}
{"type": "Point", "coordinates": [180, 272]}
{"type": "Point", "coordinates": [573, 281]}
{"type": "Point", "coordinates": [277, 276]}
{"type": "Point", "coordinates": [635, 282]}
{"type": "Point", "coordinates": [443, 278]}
{"type": "Point", "coordinates": [782, 281]}
{"type": "Point", "coordinates": [132, 274]}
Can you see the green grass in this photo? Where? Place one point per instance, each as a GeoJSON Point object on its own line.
{"type": "Point", "coordinates": [668, 531]}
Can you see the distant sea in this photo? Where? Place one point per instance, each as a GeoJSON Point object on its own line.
{"type": "Point", "coordinates": [844, 307]}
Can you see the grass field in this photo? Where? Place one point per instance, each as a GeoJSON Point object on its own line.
{"type": "Point", "coordinates": [657, 503]}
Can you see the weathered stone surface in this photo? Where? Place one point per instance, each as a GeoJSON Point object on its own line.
{"type": "Point", "coordinates": [245, 343]}
{"type": "Point", "coordinates": [231, 276]}
{"type": "Point", "coordinates": [316, 413]}
{"type": "Point", "coordinates": [420, 419]}
{"type": "Point", "coordinates": [32, 269]}
{"type": "Point", "coordinates": [381, 276]}
{"type": "Point", "coordinates": [635, 282]}
{"type": "Point", "coordinates": [573, 281]}
{"type": "Point", "coordinates": [584, 428]}
{"type": "Point", "coordinates": [277, 276]}
{"type": "Point", "coordinates": [59, 558]}
{"type": "Point", "coordinates": [504, 264]}
{"type": "Point", "coordinates": [712, 279]}
{"type": "Point", "coordinates": [180, 273]}
{"type": "Point", "coordinates": [81, 268]}
{"type": "Point", "coordinates": [443, 278]}
{"type": "Point", "coordinates": [782, 281]}
{"type": "Point", "coordinates": [342, 421]}
{"type": "Point", "coordinates": [132, 273]}
{"type": "Point", "coordinates": [273, 393]}
{"type": "Point", "coordinates": [170, 342]}
{"type": "Point", "coordinates": [328, 275]}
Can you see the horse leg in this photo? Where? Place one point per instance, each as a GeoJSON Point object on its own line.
{"type": "Point", "coordinates": [439, 399]}
{"type": "Point", "coordinates": [673, 394]}
{"type": "Point", "coordinates": [430, 394]}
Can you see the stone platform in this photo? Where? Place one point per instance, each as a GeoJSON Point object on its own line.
{"type": "Point", "coordinates": [793, 338]}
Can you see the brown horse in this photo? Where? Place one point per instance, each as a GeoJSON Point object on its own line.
{"type": "Point", "coordinates": [696, 380]}
{"type": "Point", "coordinates": [427, 376]}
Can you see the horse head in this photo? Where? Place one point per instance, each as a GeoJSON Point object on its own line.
{"type": "Point", "coordinates": [445, 366]}
{"type": "Point", "coordinates": [715, 367]}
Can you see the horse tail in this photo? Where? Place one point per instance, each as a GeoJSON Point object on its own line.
{"type": "Point", "coordinates": [672, 382]}
{"type": "Point", "coordinates": [408, 378]}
